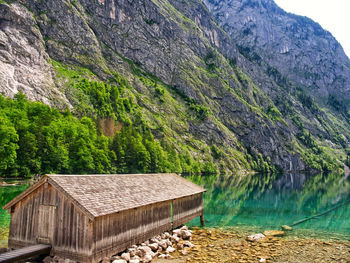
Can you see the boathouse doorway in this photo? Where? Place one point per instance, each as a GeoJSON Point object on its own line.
{"type": "Point", "coordinates": [47, 219]}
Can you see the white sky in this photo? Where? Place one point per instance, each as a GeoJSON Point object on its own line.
{"type": "Point", "coordinates": [332, 15]}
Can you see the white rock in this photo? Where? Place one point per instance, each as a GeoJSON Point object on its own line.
{"type": "Point", "coordinates": [154, 240]}
{"type": "Point", "coordinates": [177, 232]}
{"type": "Point", "coordinates": [262, 260]}
{"type": "Point", "coordinates": [184, 228]}
{"type": "Point", "coordinates": [168, 242]}
{"type": "Point", "coordinates": [119, 261]}
{"type": "Point", "coordinates": [163, 244]}
{"type": "Point", "coordinates": [134, 261]}
{"type": "Point", "coordinates": [147, 258]}
{"type": "Point", "coordinates": [154, 246]}
{"type": "Point", "coordinates": [162, 256]}
{"type": "Point", "coordinates": [175, 239]}
{"type": "Point", "coordinates": [186, 234]}
{"type": "Point", "coordinates": [132, 251]}
{"type": "Point", "coordinates": [143, 250]}
{"type": "Point", "coordinates": [256, 237]}
{"type": "Point", "coordinates": [170, 250]}
{"type": "Point", "coordinates": [126, 256]}
{"type": "Point", "coordinates": [136, 258]}
{"type": "Point", "coordinates": [188, 244]}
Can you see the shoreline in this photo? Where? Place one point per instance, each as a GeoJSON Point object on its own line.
{"type": "Point", "coordinates": [223, 245]}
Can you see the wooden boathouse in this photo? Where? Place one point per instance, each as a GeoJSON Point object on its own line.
{"type": "Point", "coordinates": [89, 217]}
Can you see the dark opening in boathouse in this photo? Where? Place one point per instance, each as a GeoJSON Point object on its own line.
{"type": "Point", "coordinates": [89, 217]}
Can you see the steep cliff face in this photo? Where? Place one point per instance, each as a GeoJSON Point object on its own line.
{"type": "Point", "coordinates": [214, 94]}
{"type": "Point", "coordinates": [297, 46]}
{"type": "Point", "coordinates": [23, 60]}
{"type": "Point", "coordinates": [305, 61]}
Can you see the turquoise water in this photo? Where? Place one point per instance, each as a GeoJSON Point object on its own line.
{"type": "Point", "coordinates": [260, 202]}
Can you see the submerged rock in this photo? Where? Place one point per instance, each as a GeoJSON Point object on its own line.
{"type": "Point", "coordinates": [274, 233]}
{"type": "Point", "coordinates": [256, 237]}
{"type": "Point", "coordinates": [287, 228]}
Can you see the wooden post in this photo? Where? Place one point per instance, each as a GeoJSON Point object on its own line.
{"type": "Point", "coordinates": [202, 219]}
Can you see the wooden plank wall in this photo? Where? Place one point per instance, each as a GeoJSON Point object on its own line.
{"type": "Point", "coordinates": [187, 208]}
{"type": "Point", "coordinates": [114, 233]}
{"type": "Point", "coordinates": [71, 231]}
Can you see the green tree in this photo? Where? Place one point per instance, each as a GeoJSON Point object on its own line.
{"type": "Point", "coordinates": [8, 146]}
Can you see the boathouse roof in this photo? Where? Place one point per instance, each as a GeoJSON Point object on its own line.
{"type": "Point", "coordinates": [102, 194]}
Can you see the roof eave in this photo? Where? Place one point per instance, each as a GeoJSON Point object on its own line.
{"type": "Point", "coordinates": [35, 186]}
{"type": "Point", "coordinates": [74, 201]}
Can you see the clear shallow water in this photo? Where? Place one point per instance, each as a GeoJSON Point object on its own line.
{"type": "Point", "coordinates": [260, 202]}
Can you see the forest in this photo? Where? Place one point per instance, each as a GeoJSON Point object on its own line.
{"type": "Point", "coordinates": [38, 139]}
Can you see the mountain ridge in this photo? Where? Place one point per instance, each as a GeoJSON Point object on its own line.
{"type": "Point", "coordinates": [172, 53]}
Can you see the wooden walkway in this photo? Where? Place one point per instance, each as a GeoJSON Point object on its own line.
{"type": "Point", "coordinates": [26, 252]}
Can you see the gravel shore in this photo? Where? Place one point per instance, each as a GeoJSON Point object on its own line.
{"type": "Point", "coordinates": [214, 245]}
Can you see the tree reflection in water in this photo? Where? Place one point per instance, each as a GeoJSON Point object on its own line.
{"type": "Point", "coordinates": [265, 201]}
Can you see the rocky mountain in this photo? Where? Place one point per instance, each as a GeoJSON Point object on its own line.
{"type": "Point", "coordinates": [296, 46]}
{"type": "Point", "coordinates": [233, 85]}
{"type": "Point", "coordinates": [297, 52]}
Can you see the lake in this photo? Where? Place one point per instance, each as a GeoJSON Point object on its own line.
{"type": "Point", "coordinates": [256, 203]}
{"type": "Point", "coordinates": [260, 202]}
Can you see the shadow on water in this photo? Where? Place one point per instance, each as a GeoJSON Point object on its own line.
{"type": "Point", "coordinates": [262, 201]}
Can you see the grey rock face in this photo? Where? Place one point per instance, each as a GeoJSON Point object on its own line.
{"type": "Point", "coordinates": [298, 47]}
{"type": "Point", "coordinates": [23, 61]}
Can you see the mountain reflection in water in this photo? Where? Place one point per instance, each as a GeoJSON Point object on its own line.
{"type": "Point", "coordinates": [262, 201]}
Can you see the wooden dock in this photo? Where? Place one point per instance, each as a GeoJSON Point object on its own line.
{"type": "Point", "coordinates": [26, 252]}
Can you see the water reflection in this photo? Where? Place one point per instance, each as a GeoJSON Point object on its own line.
{"type": "Point", "coordinates": [9, 189]}
{"type": "Point", "coordinates": [265, 201]}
